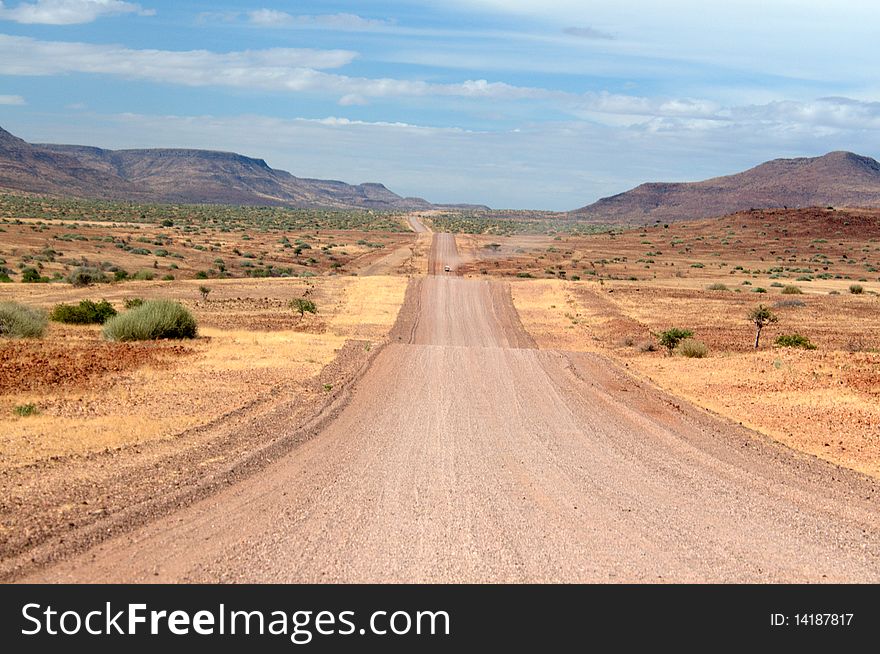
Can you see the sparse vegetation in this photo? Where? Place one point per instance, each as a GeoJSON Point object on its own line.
{"type": "Point", "coordinates": [856, 289]}
{"type": "Point", "coordinates": [671, 338]}
{"type": "Point", "coordinates": [86, 276]}
{"type": "Point", "coordinates": [86, 312]}
{"type": "Point", "coordinates": [20, 321]}
{"type": "Point", "coordinates": [25, 410]}
{"type": "Point", "coordinates": [791, 289]}
{"type": "Point", "coordinates": [204, 291]}
{"type": "Point", "coordinates": [132, 302]}
{"type": "Point", "coordinates": [717, 287]}
{"type": "Point", "coordinates": [152, 320]}
{"type": "Point", "coordinates": [692, 348]}
{"type": "Point", "coordinates": [794, 340]}
{"type": "Point", "coordinates": [31, 275]}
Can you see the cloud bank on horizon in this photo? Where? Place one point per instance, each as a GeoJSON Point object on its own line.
{"type": "Point", "coordinates": [512, 104]}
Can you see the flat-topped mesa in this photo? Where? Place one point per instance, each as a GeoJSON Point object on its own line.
{"type": "Point", "coordinates": [179, 175]}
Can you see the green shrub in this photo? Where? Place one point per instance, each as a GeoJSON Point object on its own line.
{"type": "Point", "coordinates": [5, 278]}
{"type": "Point", "coordinates": [143, 275]}
{"type": "Point", "coordinates": [152, 320]}
{"type": "Point", "coordinates": [86, 276]}
{"type": "Point", "coordinates": [84, 313]}
{"type": "Point", "coordinates": [32, 276]}
{"type": "Point", "coordinates": [692, 348]}
{"type": "Point", "coordinates": [794, 340]}
{"type": "Point", "coordinates": [20, 321]}
{"type": "Point", "coordinates": [856, 289]}
{"type": "Point", "coordinates": [24, 410]}
{"type": "Point", "coordinates": [120, 275]}
{"type": "Point", "coordinates": [671, 337]}
{"type": "Point", "coordinates": [717, 287]}
{"type": "Point", "coordinates": [791, 289]}
{"type": "Point", "coordinates": [132, 302]}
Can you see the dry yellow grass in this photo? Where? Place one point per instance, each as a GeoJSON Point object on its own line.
{"type": "Point", "coordinates": [550, 312]}
{"type": "Point", "coordinates": [229, 368]}
{"type": "Point", "coordinates": [825, 402]}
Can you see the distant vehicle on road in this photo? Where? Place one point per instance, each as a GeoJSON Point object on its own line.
{"type": "Point", "coordinates": [446, 269]}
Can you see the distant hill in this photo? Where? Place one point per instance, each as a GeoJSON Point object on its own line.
{"type": "Point", "coordinates": [839, 179]}
{"type": "Point", "coordinates": [180, 176]}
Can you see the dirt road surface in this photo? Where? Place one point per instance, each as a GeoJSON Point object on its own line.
{"type": "Point", "coordinates": [467, 455]}
{"type": "Point", "coordinates": [405, 259]}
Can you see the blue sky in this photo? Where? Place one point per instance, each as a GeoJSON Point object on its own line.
{"type": "Point", "coordinates": [510, 103]}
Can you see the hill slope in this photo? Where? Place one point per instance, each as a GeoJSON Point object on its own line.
{"type": "Point", "coordinates": [177, 175]}
{"type": "Point", "coordinates": [835, 179]}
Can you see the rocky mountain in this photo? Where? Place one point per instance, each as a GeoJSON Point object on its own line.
{"type": "Point", "coordinates": [839, 179]}
{"type": "Point", "coordinates": [178, 175]}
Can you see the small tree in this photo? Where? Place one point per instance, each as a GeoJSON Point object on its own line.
{"type": "Point", "coordinates": [671, 337]}
{"type": "Point", "coordinates": [761, 316]}
{"type": "Point", "coordinates": [302, 305]}
{"type": "Point", "coordinates": [205, 291]}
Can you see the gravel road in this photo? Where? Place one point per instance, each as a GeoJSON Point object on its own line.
{"type": "Point", "coordinates": [468, 455]}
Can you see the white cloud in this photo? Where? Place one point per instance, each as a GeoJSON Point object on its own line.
{"type": "Point", "coordinates": [277, 69]}
{"type": "Point", "coordinates": [341, 22]}
{"type": "Point", "coordinates": [68, 12]}
{"type": "Point", "coordinates": [12, 100]}
{"type": "Point", "coordinates": [273, 68]}
{"type": "Point", "coordinates": [352, 100]}
{"type": "Point", "coordinates": [590, 33]}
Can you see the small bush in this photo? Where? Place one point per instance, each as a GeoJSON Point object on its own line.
{"type": "Point", "coordinates": [143, 275]}
{"type": "Point", "coordinates": [671, 337]}
{"type": "Point", "coordinates": [759, 289]}
{"type": "Point", "coordinates": [794, 340]}
{"type": "Point", "coordinates": [647, 346]}
{"type": "Point", "coordinates": [32, 276]}
{"type": "Point", "coordinates": [717, 287]}
{"type": "Point", "coordinates": [84, 313]}
{"type": "Point", "coordinates": [20, 321]}
{"type": "Point", "coordinates": [132, 302]}
{"type": "Point", "coordinates": [787, 304]}
{"type": "Point", "coordinates": [86, 276]}
{"type": "Point", "coordinates": [24, 410]}
{"type": "Point", "coordinates": [791, 289]}
{"type": "Point", "coordinates": [152, 320]}
{"type": "Point", "coordinates": [856, 289]}
{"type": "Point", "coordinates": [692, 348]}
